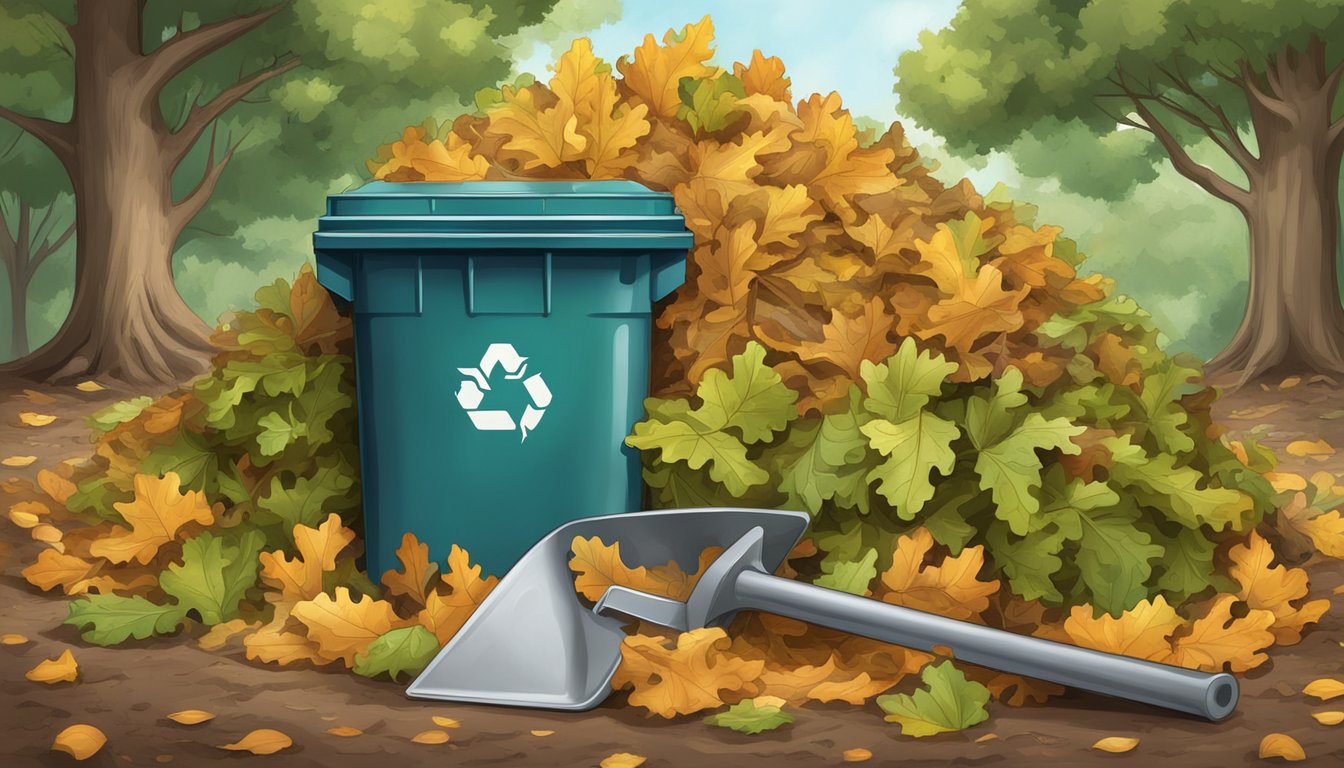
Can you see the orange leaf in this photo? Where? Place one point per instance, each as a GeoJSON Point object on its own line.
{"type": "Point", "coordinates": [412, 579]}
{"type": "Point", "coordinates": [446, 611]}
{"type": "Point", "coordinates": [18, 461]}
{"type": "Point", "coordinates": [191, 716]}
{"type": "Point", "coordinates": [263, 741]}
{"type": "Point", "coordinates": [950, 589]}
{"type": "Point", "coordinates": [656, 71]}
{"type": "Point", "coordinates": [848, 341]}
{"type": "Point", "coordinates": [1281, 745]}
{"type": "Point", "coordinates": [52, 569]}
{"type": "Point", "coordinates": [1142, 632]}
{"type": "Point", "coordinates": [80, 741]}
{"type": "Point", "coordinates": [1216, 639]}
{"type": "Point", "coordinates": [1325, 688]}
{"type": "Point", "coordinates": [282, 642]}
{"type": "Point", "coordinates": [599, 566]}
{"type": "Point", "coordinates": [764, 76]}
{"type": "Point", "coordinates": [301, 578]}
{"type": "Point", "coordinates": [1316, 449]}
{"type": "Point", "coordinates": [62, 669]}
{"type": "Point", "coordinates": [157, 514]}
{"type": "Point", "coordinates": [55, 486]}
{"type": "Point", "coordinates": [431, 737]}
{"type": "Point", "coordinates": [856, 755]}
{"type": "Point", "coordinates": [686, 677]}
{"type": "Point", "coordinates": [1116, 744]}
{"type": "Point", "coordinates": [342, 627]}
{"type": "Point", "coordinates": [344, 731]}
{"type": "Point", "coordinates": [33, 419]}
{"type": "Point", "coordinates": [1274, 589]}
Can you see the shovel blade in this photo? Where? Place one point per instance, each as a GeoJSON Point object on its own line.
{"type": "Point", "coordinates": [534, 643]}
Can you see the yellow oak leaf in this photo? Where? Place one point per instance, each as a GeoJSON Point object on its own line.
{"type": "Point", "coordinates": [450, 161]}
{"type": "Point", "coordinates": [412, 578]}
{"type": "Point", "coordinates": [62, 669]}
{"type": "Point", "coordinates": [301, 578]}
{"type": "Point", "coordinates": [599, 566]}
{"type": "Point", "coordinates": [34, 419]}
{"type": "Point", "coordinates": [1142, 631]}
{"type": "Point", "coordinates": [787, 213]}
{"type": "Point", "coordinates": [282, 641]}
{"type": "Point", "coordinates": [977, 307]}
{"type": "Point", "coordinates": [764, 76]}
{"type": "Point", "coordinates": [1325, 688]}
{"type": "Point", "coordinates": [691, 675]}
{"type": "Point", "coordinates": [431, 737]}
{"type": "Point", "coordinates": [951, 589]}
{"type": "Point", "coordinates": [1327, 533]}
{"type": "Point", "coordinates": [157, 514]}
{"type": "Point", "coordinates": [1274, 589]}
{"type": "Point", "coordinates": [220, 634]}
{"type": "Point", "coordinates": [795, 683]}
{"type": "Point", "coordinates": [584, 84]}
{"type": "Point", "coordinates": [343, 627]}
{"type": "Point", "coordinates": [848, 341]}
{"type": "Point", "coordinates": [846, 170]}
{"type": "Point", "coordinates": [1027, 256]}
{"type": "Point", "coordinates": [1216, 638]}
{"type": "Point", "coordinates": [654, 75]}
{"type": "Point", "coordinates": [541, 137]}
{"type": "Point", "coordinates": [27, 514]}
{"type": "Point", "coordinates": [622, 760]}
{"type": "Point", "coordinates": [58, 488]}
{"type": "Point", "coordinates": [54, 569]}
{"type": "Point", "coordinates": [730, 168]}
{"type": "Point", "coordinates": [1116, 744]}
{"type": "Point", "coordinates": [446, 611]}
{"type": "Point", "coordinates": [851, 690]}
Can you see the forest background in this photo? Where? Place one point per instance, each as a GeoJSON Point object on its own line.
{"type": "Point", "coordinates": [1179, 251]}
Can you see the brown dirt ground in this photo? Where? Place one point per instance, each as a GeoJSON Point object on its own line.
{"type": "Point", "coordinates": [127, 691]}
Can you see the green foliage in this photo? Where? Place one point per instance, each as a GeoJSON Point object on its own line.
{"type": "Point", "coordinates": [750, 718]}
{"type": "Point", "coordinates": [116, 618]}
{"type": "Point", "coordinates": [214, 574]}
{"type": "Point", "coordinates": [978, 463]}
{"type": "Point", "coordinates": [947, 702]}
{"type": "Point", "coordinates": [407, 649]}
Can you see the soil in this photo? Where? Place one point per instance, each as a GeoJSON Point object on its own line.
{"type": "Point", "coordinates": [127, 691]}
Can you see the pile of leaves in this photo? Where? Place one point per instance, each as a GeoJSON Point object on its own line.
{"type": "Point", "coordinates": [976, 430]}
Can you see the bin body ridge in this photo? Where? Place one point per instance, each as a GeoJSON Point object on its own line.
{"type": "Point", "coordinates": [502, 353]}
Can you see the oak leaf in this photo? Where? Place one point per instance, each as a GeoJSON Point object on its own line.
{"type": "Point", "coordinates": [693, 674]}
{"type": "Point", "coordinates": [62, 669]}
{"type": "Point", "coordinates": [1274, 589]}
{"type": "Point", "coordinates": [301, 578]}
{"type": "Point", "coordinates": [283, 641]}
{"type": "Point", "coordinates": [447, 610]}
{"type": "Point", "coordinates": [1216, 638]}
{"type": "Point", "coordinates": [655, 72]}
{"type": "Point", "coordinates": [950, 589]}
{"type": "Point", "coordinates": [1116, 744]}
{"type": "Point", "coordinates": [156, 516]}
{"type": "Point", "coordinates": [262, 741]}
{"type": "Point", "coordinates": [58, 488]}
{"type": "Point", "coordinates": [764, 76]}
{"type": "Point", "coordinates": [55, 569]}
{"type": "Point", "coordinates": [849, 341]}
{"type": "Point", "coordinates": [343, 627]}
{"type": "Point", "coordinates": [413, 577]}
{"type": "Point", "coordinates": [1142, 632]}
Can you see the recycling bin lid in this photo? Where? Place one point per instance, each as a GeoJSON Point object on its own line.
{"type": "Point", "coordinates": [543, 215]}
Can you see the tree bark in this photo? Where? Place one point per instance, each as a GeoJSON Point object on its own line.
{"type": "Point", "coordinates": [127, 320]}
{"type": "Point", "coordinates": [1294, 322]}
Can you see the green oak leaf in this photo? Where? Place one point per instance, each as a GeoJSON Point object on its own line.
{"type": "Point", "coordinates": [914, 448]}
{"type": "Point", "coordinates": [115, 618]}
{"type": "Point", "coordinates": [1162, 412]}
{"type": "Point", "coordinates": [407, 649]}
{"type": "Point", "coordinates": [990, 417]}
{"type": "Point", "coordinates": [1115, 556]}
{"type": "Point", "coordinates": [1186, 564]}
{"type": "Point", "coordinates": [710, 104]}
{"type": "Point", "coordinates": [1029, 561]}
{"type": "Point", "coordinates": [191, 456]}
{"type": "Point", "coordinates": [901, 387]}
{"type": "Point", "coordinates": [852, 576]}
{"type": "Point", "coordinates": [754, 400]}
{"type": "Point", "coordinates": [747, 717]}
{"type": "Point", "coordinates": [214, 574]}
{"type": "Point", "coordinates": [827, 459]}
{"type": "Point", "coordinates": [1157, 481]}
{"type": "Point", "coordinates": [1011, 470]}
{"type": "Point", "coordinates": [308, 500]}
{"type": "Point", "coordinates": [118, 413]}
{"type": "Point", "coordinates": [678, 434]}
{"type": "Point", "coordinates": [278, 432]}
{"type": "Point", "coordinates": [323, 398]}
{"type": "Point", "coordinates": [948, 702]}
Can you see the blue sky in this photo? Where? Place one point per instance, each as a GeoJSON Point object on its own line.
{"type": "Point", "coordinates": [848, 46]}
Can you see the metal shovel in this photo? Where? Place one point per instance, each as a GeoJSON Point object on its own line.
{"type": "Point", "coordinates": [533, 643]}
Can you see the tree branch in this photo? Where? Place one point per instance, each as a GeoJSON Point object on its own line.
{"type": "Point", "coordinates": [1336, 135]}
{"type": "Point", "coordinates": [1239, 151]}
{"type": "Point", "coordinates": [47, 249]}
{"type": "Point", "coordinates": [59, 137]}
{"type": "Point", "coordinates": [1258, 96]}
{"type": "Point", "coordinates": [180, 143]}
{"type": "Point", "coordinates": [1201, 175]}
{"type": "Point", "coordinates": [186, 209]}
{"type": "Point", "coordinates": [181, 51]}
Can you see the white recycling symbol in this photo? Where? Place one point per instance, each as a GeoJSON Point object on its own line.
{"type": "Point", "coordinates": [472, 391]}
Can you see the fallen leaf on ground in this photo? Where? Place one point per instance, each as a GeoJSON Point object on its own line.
{"type": "Point", "coordinates": [220, 633]}
{"type": "Point", "coordinates": [1257, 413]}
{"type": "Point", "coordinates": [748, 717]}
{"type": "Point", "coordinates": [413, 577]}
{"type": "Point", "coordinates": [62, 669]}
{"type": "Point", "coordinates": [445, 722]}
{"type": "Point", "coordinates": [1141, 631]}
{"type": "Point", "coordinates": [1217, 638]}
{"type": "Point", "coordinates": [1328, 718]}
{"type": "Point", "coordinates": [10, 638]}
{"type": "Point", "coordinates": [47, 534]}
{"type": "Point", "coordinates": [18, 461]}
{"type": "Point", "coordinates": [622, 760]}
{"type": "Point", "coordinates": [38, 398]}
{"type": "Point", "coordinates": [1274, 589]}
{"type": "Point", "coordinates": [430, 737]}
{"type": "Point", "coordinates": [1116, 744]}
{"type": "Point", "coordinates": [159, 510]}
{"type": "Point", "coordinates": [1286, 481]}
{"type": "Point", "coordinates": [1316, 449]}
{"type": "Point", "coordinates": [987, 737]}
{"type": "Point", "coordinates": [686, 677]}
{"type": "Point", "coordinates": [947, 702]}
{"type": "Point", "coordinates": [542, 733]}
{"type": "Point", "coordinates": [1325, 688]}
{"type": "Point", "coordinates": [1281, 745]}
{"type": "Point", "coordinates": [89, 386]}
{"type": "Point", "coordinates": [856, 755]}
{"type": "Point", "coordinates": [24, 515]}
{"type": "Point", "coordinates": [344, 731]}
{"type": "Point", "coordinates": [191, 716]}
{"type": "Point", "coordinates": [263, 741]}
{"type": "Point", "coordinates": [79, 741]}
{"type": "Point", "coordinates": [34, 419]}
{"type": "Point", "coordinates": [343, 627]}
{"type": "Point", "coordinates": [950, 589]}
{"type": "Point", "coordinates": [1332, 415]}
{"type": "Point", "coordinates": [58, 488]}
{"type": "Point", "coordinates": [1290, 382]}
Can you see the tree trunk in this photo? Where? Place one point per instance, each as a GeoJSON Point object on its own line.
{"type": "Point", "coordinates": [1294, 322]}
{"type": "Point", "coordinates": [18, 313]}
{"type": "Point", "coordinates": [127, 320]}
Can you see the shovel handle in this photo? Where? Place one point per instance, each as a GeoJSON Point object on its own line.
{"type": "Point", "coordinates": [1211, 696]}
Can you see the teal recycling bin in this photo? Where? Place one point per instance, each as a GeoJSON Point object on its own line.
{"type": "Point", "coordinates": [502, 352]}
